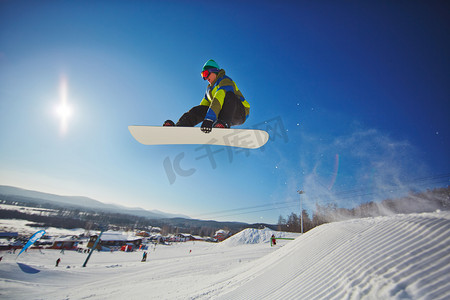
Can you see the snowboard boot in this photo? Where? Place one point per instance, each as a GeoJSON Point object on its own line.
{"type": "Point", "coordinates": [169, 123]}
{"type": "Point", "coordinates": [221, 124]}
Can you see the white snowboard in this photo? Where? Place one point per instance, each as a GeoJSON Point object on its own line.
{"type": "Point", "coordinates": [168, 135]}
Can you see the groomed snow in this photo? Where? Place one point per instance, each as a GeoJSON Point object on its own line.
{"type": "Point", "coordinates": [398, 257]}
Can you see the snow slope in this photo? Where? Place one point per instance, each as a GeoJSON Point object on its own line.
{"type": "Point", "coordinates": [398, 257]}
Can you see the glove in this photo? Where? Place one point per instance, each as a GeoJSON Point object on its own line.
{"type": "Point", "coordinates": [169, 123]}
{"type": "Point", "coordinates": [207, 126]}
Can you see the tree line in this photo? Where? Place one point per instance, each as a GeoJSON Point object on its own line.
{"type": "Point", "coordinates": [414, 202]}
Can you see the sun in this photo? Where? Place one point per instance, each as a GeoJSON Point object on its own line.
{"type": "Point", "coordinates": [63, 110]}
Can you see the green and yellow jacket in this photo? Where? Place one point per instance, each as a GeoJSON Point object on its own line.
{"type": "Point", "coordinates": [215, 95]}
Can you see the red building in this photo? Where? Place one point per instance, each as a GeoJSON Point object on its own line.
{"type": "Point", "coordinates": [221, 235]}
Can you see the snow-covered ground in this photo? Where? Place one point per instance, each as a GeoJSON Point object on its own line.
{"type": "Point", "coordinates": [13, 225]}
{"type": "Point", "coordinates": [29, 210]}
{"type": "Point", "coordinates": [397, 257]}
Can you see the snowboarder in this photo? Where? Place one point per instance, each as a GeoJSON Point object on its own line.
{"type": "Point", "coordinates": [57, 262]}
{"type": "Point", "coordinates": [273, 240]}
{"type": "Point", "coordinates": [222, 106]}
{"type": "Point", "coordinates": [144, 257]}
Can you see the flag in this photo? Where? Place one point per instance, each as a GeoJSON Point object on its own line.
{"type": "Point", "coordinates": [32, 239]}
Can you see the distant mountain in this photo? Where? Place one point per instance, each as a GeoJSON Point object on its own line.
{"type": "Point", "coordinates": [28, 196]}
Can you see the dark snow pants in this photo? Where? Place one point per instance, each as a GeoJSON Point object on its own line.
{"type": "Point", "coordinates": [232, 113]}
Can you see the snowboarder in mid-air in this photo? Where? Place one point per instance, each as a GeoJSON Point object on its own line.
{"type": "Point", "coordinates": [222, 106]}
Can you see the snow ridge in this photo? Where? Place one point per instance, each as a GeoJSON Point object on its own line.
{"type": "Point", "coordinates": [255, 236]}
{"type": "Point", "coordinates": [405, 256]}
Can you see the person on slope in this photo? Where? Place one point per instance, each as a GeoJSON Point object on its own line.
{"type": "Point", "coordinates": [273, 240]}
{"type": "Point", "coordinates": [222, 106]}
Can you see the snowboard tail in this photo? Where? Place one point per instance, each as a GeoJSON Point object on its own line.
{"type": "Point", "coordinates": [168, 135]}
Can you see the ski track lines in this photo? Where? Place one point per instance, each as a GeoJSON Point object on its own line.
{"type": "Point", "coordinates": [173, 276]}
{"type": "Point", "coordinates": [400, 257]}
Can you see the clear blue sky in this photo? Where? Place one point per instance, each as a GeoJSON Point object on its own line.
{"type": "Point", "coordinates": [356, 95]}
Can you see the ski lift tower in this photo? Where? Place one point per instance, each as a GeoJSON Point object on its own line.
{"type": "Point", "coordinates": [300, 192]}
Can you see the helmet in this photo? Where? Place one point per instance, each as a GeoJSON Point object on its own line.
{"type": "Point", "coordinates": [211, 64]}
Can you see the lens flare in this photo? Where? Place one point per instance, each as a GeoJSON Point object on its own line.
{"type": "Point", "coordinates": [63, 110]}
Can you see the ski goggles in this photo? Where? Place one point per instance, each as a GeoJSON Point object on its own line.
{"type": "Point", "coordinates": [205, 73]}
